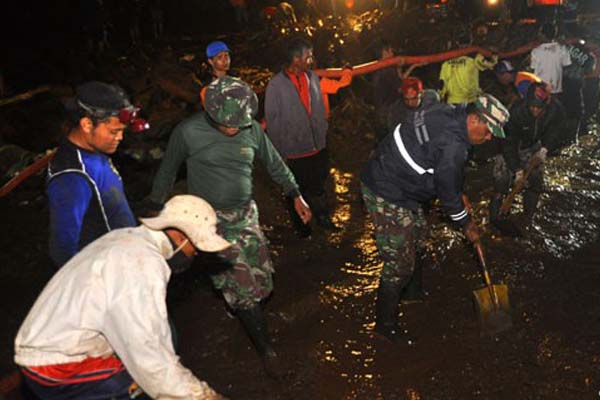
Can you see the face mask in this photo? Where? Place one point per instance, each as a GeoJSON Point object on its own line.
{"type": "Point", "coordinates": [179, 262]}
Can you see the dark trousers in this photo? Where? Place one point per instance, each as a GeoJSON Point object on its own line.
{"type": "Point", "coordinates": [311, 173]}
{"type": "Point", "coordinates": [591, 96]}
{"type": "Point", "coordinates": [572, 98]}
{"type": "Point", "coordinates": [116, 387]}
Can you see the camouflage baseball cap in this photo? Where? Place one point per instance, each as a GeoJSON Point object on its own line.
{"type": "Point", "coordinates": [230, 102]}
{"type": "Point", "coordinates": [493, 112]}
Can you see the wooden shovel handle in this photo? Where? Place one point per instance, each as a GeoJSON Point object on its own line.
{"type": "Point", "coordinates": [507, 203]}
{"type": "Point", "coordinates": [26, 172]}
{"type": "Point", "coordinates": [486, 275]}
{"type": "Point", "coordinates": [467, 204]}
{"type": "Point", "coordinates": [480, 254]}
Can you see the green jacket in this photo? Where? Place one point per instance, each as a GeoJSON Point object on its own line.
{"type": "Point", "coordinates": [219, 167]}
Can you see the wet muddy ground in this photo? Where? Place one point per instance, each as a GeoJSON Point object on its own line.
{"type": "Point", "coordinates": [321, 314]}
{"type": "Point", "coordinates": [322, 311]}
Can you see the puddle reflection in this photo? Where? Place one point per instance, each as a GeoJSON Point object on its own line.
{"type": "Point", "coordinates": [567, 220]}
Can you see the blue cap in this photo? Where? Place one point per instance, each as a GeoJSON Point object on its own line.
{"type": "Point", "coordinates": [215, 48]}
{"type": "Point", "coordinates": [503, 66]}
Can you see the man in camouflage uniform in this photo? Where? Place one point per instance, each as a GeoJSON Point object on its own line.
{"type": "Point", "coordinates": [219, 147]}
{"type": "Point", "coordinates": [415, 100]}
{"type": "Point", "coordinates": [422, 159]}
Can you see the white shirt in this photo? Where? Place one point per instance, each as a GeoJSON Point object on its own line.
{"type": "Point", "coordinates": [548, 61]}
{"type": "Point", "coordinates": [110, 298]}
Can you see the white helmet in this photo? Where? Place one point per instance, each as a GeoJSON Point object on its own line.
{"type": "Point", "coordinates": [194, 217]}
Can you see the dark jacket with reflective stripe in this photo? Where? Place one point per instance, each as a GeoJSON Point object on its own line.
{"type": "Point", "coordinates": [523, 131]}
{"type": "Point", "coordinates": [437, 141]}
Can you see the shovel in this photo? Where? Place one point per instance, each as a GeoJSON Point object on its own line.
{"type": "Point", "coordinates": [491, 302]}
{"type": "Point", "coordinates": [519, 185]}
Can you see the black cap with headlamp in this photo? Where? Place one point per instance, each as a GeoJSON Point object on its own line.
{"type": "Point", "coordinates": [102, 100]}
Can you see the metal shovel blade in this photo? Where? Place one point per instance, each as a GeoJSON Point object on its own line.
{"type": "Point", "coordinates": [493, 307]}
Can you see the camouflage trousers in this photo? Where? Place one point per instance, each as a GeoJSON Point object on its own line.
{"type": "Point", "coordinates": [250, 277]}
{"type": "Point", "coordinates": [399, 233]}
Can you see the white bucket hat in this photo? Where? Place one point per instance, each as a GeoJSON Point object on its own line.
{"type": "Point", "coordinates": [194, 217]}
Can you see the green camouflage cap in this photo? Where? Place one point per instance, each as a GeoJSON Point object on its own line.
{"type": "Point", "coordinates": [493, 112]}
{"type": "Point", "coordinates": [230, 102]}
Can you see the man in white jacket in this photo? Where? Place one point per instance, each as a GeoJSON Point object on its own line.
{"type": "Point", "coordinates": [99, 328]}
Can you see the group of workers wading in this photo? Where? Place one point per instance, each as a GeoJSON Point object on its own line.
{"type": "Point", "coordinates": [100, 329]}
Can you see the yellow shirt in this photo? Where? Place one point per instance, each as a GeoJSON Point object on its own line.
{"type": "Point", "coordinates": [461, 78]}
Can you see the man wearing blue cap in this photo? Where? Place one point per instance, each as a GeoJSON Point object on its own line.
{"type": "Point", "coordinates": [217, 54]}
{"type": "Point", "coordinates": [519, 81]}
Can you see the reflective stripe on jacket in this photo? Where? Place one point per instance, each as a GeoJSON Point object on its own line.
{"type": "Point", "coordinates": [423, 159]}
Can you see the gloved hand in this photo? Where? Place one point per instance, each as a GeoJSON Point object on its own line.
{"type": "Point", "coordinates": [519, 175]}
{"type": "Point", "coordinates": [471, 232]}
{"type": "Point", "coordinates": [541, 154]}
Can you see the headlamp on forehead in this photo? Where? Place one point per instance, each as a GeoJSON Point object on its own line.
{"type": "Point", "coordinates": [128, 115]}
{"type": "Point", "coordinates": [412, 87]}
{"type": "Point", "coordinates": [411, 93]}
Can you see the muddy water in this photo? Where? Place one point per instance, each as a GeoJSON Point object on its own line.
{"type": "Point", "coordinates": [322, 312]}
{"type": "Point", "coordinates": [450, 359]}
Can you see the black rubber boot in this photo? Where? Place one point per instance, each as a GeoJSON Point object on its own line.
{"type": "Point", "coordinates": [325, 222]}
{"type": "Point", "coordinates": [255, 325]}
{"type": "Point", "coordinates": [320, 209]}
{"type": "Point", "coordinates": [413, 292]}
{"type": "Point", "coordinates": [386, 309]}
